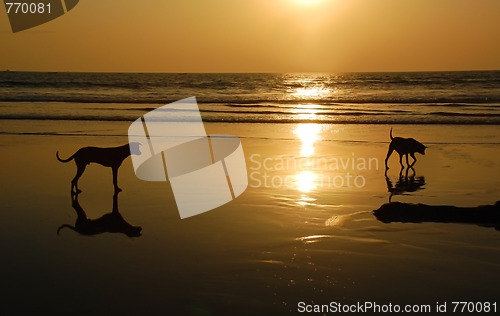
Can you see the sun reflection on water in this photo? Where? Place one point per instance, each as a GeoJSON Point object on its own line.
{"type": "Point", "coordinates": [307, 108]}
{"type": "Point", "coordinates": [311, 92]}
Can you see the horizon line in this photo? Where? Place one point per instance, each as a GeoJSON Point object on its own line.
{"type": "Point", "coordinates": [248, 72]}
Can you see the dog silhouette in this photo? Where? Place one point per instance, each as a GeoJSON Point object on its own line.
{"type": "Point", "coordinates": [404, 147]}
{"type": "Point", "coordinates": [108, 223]}
{"type": "Point", "coordinates": [108, 157]}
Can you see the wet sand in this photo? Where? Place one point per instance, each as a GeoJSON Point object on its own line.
{"type": "Point", "coordinates": [310, 240]}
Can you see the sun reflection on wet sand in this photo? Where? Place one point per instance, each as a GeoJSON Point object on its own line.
{"type": "Point", "coordinates": [307, 180]}
{"type": "Point", "coordinates": [306, 200]}
{"type": "Point", "coordinates": [308, 135]}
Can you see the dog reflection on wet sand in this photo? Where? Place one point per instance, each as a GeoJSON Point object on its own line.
{"type": "Point", "coordinates": [405, 184]}
{"type": "Point", "coordinates": [108, 223]}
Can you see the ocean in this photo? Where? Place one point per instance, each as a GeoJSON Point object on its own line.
{"type": "Point", "coordinates": [471, 97]}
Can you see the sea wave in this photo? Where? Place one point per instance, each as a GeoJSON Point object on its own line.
{"type": "Point", "coordinates": [245, 101]}
{"type": "Point", "coordinates": [337, 118]}
{"type": "Point", "coordinates": [364, 98]}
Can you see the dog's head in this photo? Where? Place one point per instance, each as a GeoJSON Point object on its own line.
{"type": "Point", "coordinates": [135, 148]}
{"type": "Point", "coordinates": [133, 231]}
{"type": "Point", "coordinates": [421, 149]}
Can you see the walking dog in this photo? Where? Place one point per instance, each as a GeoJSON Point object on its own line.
{"type": "Point", "coordinates": [404, 146]}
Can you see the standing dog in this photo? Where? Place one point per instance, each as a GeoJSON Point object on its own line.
{"type": "Point", "coordinates": [404, 146]}
{"type": "Point", "coordinates": [108, 157]}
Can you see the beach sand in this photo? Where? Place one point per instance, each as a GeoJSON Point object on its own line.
{"type": "Point", "coordinates": [303, 237]}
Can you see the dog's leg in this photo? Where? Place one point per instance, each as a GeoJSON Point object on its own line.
{"type": "Point", "coordinates": [115, 203]}
{"type": "Point", "coordinates": [401, 161]}
{"type": "Point", "coordinates": [389, 153]}
{"type": "Point", "coordinates": [414, 159]}
{"type": "Point", "coordinates": [74, 183]}
{"type": "Point", "coordinates": [115, 179]}
{"type": "Point", "coordinates": [407, 163]}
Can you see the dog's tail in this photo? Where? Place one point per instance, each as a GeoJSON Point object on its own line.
{"type": "Point", "coordinates": [64, 160]}
{"type": "Point", "coordinates": [64, 226]}
{"type": "Point", "coordinates": [391, 134]}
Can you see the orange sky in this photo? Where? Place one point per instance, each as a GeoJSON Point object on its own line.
{"type": "Point", "coordinates": [260, 36]}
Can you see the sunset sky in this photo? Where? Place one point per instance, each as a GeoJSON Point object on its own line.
{"type": "Point", "coordinates": [260, 36]}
